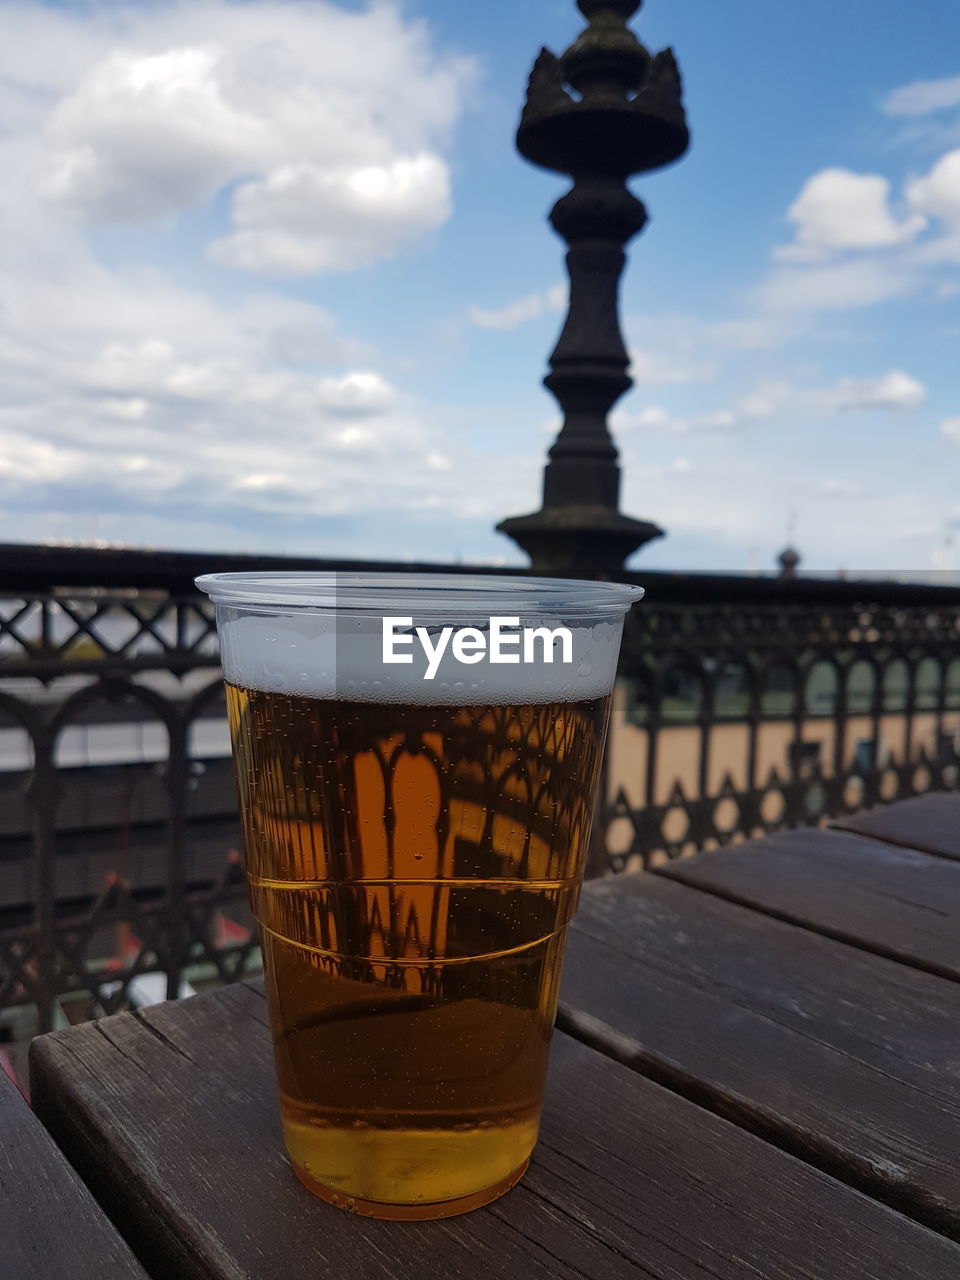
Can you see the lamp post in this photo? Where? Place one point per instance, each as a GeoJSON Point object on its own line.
{"type": "Point", "coordinates": [624, 116]}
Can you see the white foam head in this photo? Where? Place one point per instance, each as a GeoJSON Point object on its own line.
{"type": "Point", "coordinates": [322, 655]}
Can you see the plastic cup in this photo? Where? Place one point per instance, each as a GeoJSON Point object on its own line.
{"type": "Point", "coordinates": [417, 760]}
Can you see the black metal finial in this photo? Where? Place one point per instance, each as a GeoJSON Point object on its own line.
{"type": "Point", "coordinates": [625, 8]}
{"type": "Point", "coordinates": [626, 117]}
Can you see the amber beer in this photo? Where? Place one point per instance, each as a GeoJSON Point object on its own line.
{"type": "Point", "coordinates": [414, 854]}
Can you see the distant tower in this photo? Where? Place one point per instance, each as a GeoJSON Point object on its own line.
{"type": "Point", "coordinates": [626, 118]}
{"type": "Point", "coordinates": [789, 562]}
{"type": "Point", "coordinates": [789, 557]}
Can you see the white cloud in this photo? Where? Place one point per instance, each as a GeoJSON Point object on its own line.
{"type": "Point", "coordinates": [894, 390]}
{"type": "Point", "coordinates": [779, 401]}
{"type": "Point", "coordinates": [509, 317]}
{"type": "Point", "coordinates": [336, 161]}
{"type": "Point", "coordinates": [838, 286]}
{"type": "Point", "coordinates": [750, 333]}
{"type": "Point", "coordinates": [303, 219]}
{"type": "Point", "coordinates": [134, 409]}
{"type": "Point", "coordinates": [938, 194]}
{"type": "Point", "coordinates": [672, 349]}
{"type": "Point", "coordinates": [950, 429]}
{"type": "Point", "coordinates": [28, 460]}
{"type": "Point", "coordinates": [356, 394]}
{"type": "Point", "coordinates": [721, 420]}
{"type": "Point", "coordinates": [145, 135]}
{"type": "Point", "coordinates": [840, 214]}
{"type": "Point", "coordinates": [663, 470]}
{"type": "Point", "coordinates": [838, 209]}
{"type": "Point", "coordinates": [155, 407]}
{"type": "Point", "coordinates": [676, 349]}
{"type": "Point", "coordinates": [923, 97]}
{"type": "Point", "coordinates": [151, 404]}
{"type": "Point", "coordinates": [764, 402]}
{"type": "Point", "coordinates": [153, 368]}
{"type": "Point", "coordinates": [656, 418]}
{"type": "Point", "coordinates": [835, 488]}
{"type": "Point", "coordinates": [558, 298]}
{"type": "Point", "coordinates": [917, 530]}
{"type": "Point", "coordinates": [653, 368]}
{"type": "Point", "coordinates": [521, 310]}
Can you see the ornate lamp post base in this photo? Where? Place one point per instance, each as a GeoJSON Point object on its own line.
{"type": "Point", "coordinates": [579, 541]}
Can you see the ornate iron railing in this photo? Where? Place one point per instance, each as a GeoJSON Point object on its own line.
{"type": "Point", "coordinates": [737, 720]}
{"type": "Point", "coordinates": [744, 705]}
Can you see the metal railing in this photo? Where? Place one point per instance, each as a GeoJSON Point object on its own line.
{"type": "Point", "coordinates": [743, 705]}
{"type": "Point", "coordinates": [740, 719]}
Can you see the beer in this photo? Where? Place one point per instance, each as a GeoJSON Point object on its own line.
{"type": "Point", "coordinates": [413, 869]}
{"type": "Point", "coordinates": [417, 760]}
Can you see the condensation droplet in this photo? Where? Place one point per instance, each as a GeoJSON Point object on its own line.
{"type": "Point", "coordinates": [586, 666]}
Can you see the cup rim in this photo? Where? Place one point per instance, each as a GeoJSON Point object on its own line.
{"type": "Point", "coordinates": [371, 592]}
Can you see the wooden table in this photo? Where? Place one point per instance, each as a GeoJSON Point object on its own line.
{"type": "Point", "coordinates": [50, 1225]}
{"type": "Point", "coordinates": [757, 1075]}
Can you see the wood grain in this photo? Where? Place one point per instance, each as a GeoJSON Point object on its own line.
{"type": "Point", "coordinates": [930, 823]}
{"type": "Point", "coordinates": [840, 1056]}
{"type": "Point", "coordinates": [892, 901]}
{"type": "Point", "coordinates": [171, 1116]}
{"type": "Point", "coordinates": [51, 1228]}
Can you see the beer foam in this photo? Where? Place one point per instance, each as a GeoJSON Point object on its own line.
{"type": "Point", "coordinates": [326, 657]}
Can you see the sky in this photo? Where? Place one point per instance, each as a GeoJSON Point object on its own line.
{"type": "Point", "coordinates": [274, 278]}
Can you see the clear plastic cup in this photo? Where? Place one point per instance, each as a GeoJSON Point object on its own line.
{"type": "Point", "coordinates": [417, 759]}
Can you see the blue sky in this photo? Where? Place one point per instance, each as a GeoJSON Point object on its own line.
{"type": "Point", "coordinates": [273, 277]}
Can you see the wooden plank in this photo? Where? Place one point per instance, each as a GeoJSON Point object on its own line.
{"type": "Point", "coordinates": [51, 1228]}
{"type": "Point", "coordinates": [930, 823]}
{"type": "Point", "coordinates": [170, 1114]}
{"type": "Point", "coordinates": [895, 902]}
{"type": "Point", "coordinates": [840, 1056]}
